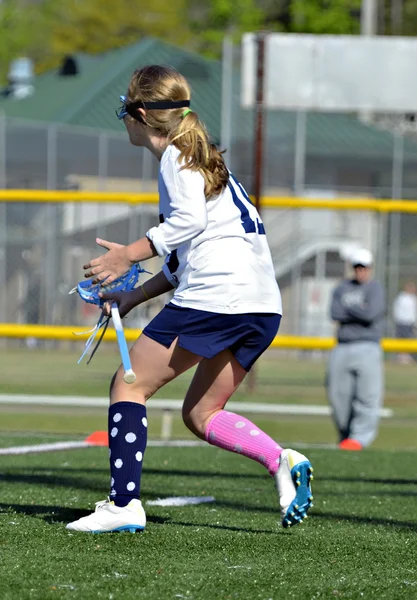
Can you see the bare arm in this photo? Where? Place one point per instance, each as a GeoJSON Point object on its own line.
{"type": "Point", "coordinates": [118, 259]}
{"type": "Point", "coordinates": [140, 250]}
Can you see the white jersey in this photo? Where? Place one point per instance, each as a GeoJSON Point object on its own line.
{"type": "Point", "coordinates": [218, 257]}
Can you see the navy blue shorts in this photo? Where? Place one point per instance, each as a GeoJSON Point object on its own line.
{"type": "Point", "coordinates": [206, 334]}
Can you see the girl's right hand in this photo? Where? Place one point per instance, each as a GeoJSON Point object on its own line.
{"type": "Point", "coordinates": [124, 300]}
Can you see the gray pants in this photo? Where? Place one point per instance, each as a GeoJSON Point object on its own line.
{"type": "Point", "coordinates": [355, 389]}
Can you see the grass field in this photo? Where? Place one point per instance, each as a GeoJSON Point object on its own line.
{"type": "Point", "coordinates": [279, 379]}
{"type": "Point", "coordinates": [359, 543]}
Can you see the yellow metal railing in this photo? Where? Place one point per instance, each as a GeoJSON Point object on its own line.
{"type": "Point", "coordinates": [55, 332]}
{"type": "Point", "coordinates": [295, 342]}
{"type": "Point", "coordinates": [407, 206]}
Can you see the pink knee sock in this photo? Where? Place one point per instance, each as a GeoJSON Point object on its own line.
{"type": "Point", "coordinates": [237, 434]}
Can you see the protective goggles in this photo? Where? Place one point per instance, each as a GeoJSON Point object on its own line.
{"type": "Point", "coordinates": [131, 108]}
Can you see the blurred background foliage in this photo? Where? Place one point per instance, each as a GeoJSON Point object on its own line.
{"type": "Point", "coordinates": [47, 30]}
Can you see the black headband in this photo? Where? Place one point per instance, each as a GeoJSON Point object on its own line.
{"type": "Point", "coordinates": [160, 105]}
{"type": "Point", "coordinates": [132, 107]}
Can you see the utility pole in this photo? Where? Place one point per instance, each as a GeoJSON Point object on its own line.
{"type": "Point", "coordinates": [227, 99]}
{"type": "Point", "coordinates": [369, 22]}
{"type": "Point", "coordinates": [396, 17]}
{"type": "Point", "coordinates": [260, 42]}
{"type": "Point", "coordinates": [369, 17]}
{"type": "Point", "coordinates": [259, 118]}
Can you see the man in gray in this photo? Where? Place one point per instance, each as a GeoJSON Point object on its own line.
{"type": "Point", "coordinates": [355, 368]}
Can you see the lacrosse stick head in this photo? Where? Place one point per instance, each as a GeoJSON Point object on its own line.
{"type": "Point", "coordinates": [89, 292]}
{"type": "Point", "coordinates": [125, 283]}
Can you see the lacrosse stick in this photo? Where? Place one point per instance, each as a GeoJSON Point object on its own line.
{"type": "Point", "coordinates": [129, 376]}
{"type": "Point", "coordinates": [89, 293]}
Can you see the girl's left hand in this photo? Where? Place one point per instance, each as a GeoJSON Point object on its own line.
{"type": "Point", "coordinates": [111, 265]}
{"type": "Point", "coordinates": [124, 300]}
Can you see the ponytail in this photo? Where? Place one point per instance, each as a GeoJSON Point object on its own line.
{"type": "Point", "coordinates": [182, 127]}
{"type": "Point", "coordinates": [198, 154]}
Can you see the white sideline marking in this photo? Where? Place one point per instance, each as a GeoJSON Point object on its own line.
{"type": "Point", "coordinates": [180, 500]}
{"type": "Point", "coordinates": [30, 433]}
{"type": "Point", "coordinates": [44, 447]}
{"type": "Point", "coordinates": [71, 445]}
{"type": "Point", "coordinates": [169, 404]}
{"type": "Point", "coordinates": [176, 443]}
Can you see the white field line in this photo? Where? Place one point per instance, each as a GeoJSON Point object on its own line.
{"type": "Point", "coordinates": [44, 448]}
{"type": "Point", "coordinates": [169, 404]}
{"type": "Point", "coordinates": [180, 500]}
{"type": "Point", "coordinates": [34, 434]}
{"type": "Point", "coordinates": [72, 445]}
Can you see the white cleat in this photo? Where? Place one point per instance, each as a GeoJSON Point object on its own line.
{"type": "Point", "coordinates": [293, 484]}
{"type": "Point", "coordinates": [108, 518]}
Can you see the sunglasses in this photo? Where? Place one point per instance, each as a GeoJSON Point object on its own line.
{"type": "Point", "coordinates": [130, 108]}
{"type": "Point", "coordinates": [121, 112]}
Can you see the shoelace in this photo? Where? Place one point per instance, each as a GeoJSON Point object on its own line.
{"type": "Point", "coordinates": [102, 504]}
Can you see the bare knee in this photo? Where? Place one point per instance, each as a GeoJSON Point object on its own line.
{"type": "Point", "coordinates": [120, 391]}
{"type": "Point", "coordinates": [196, 421]}
{"type": "Point", "coordinates": [189, 421]}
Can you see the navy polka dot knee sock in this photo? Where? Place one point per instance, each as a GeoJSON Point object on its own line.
{"type": "Point", "coordinates": [128, 428]}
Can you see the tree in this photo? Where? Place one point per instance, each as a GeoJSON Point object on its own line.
{"type": "Point", "coordinates": [22, 33]}
{"type": "Point", "coordinates": [98, 25]}
{"type": "Point", "coordinates": [409, 18]}
{"type": "Point", "coordinates": [210, 21]}
{"type": "Point", "coordinates": [325, 16]}
{"type": "Point", "coordinates": [46, 30]}
{"type": "Point", "coordinates": [95, 26]}
{"type": "Point", "coordinates": [50, 29]}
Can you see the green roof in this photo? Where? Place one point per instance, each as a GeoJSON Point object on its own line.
{"type": "Point", "coordinates": [90, 98]}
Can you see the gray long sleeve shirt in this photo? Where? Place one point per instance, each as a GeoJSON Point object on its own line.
{"type": "Point", "coordinates": [359, 309]}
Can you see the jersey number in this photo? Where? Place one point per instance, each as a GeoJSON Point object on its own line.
{"type": "Point", "coordinates": [249, 225]}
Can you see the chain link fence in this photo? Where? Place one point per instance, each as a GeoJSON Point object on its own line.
{"type": "Point", "coordinates": [44, 245]}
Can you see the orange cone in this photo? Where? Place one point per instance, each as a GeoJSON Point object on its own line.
{"type": "Point", "coordinates": [98, 438]}
{"type": "Point", "coordinates": [350, 444]}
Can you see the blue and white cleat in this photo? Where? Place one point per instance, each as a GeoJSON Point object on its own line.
{"type": "Point", "coordinates": [293, 485]}
{"type": "Point", "coordinates": [108, 518]}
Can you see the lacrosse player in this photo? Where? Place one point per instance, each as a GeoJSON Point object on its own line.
{"type": "Point", "coordinates": [225, 311]}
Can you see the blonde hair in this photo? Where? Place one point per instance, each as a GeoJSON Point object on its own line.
{"type": "Point", "coordinates": [155, 83]}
